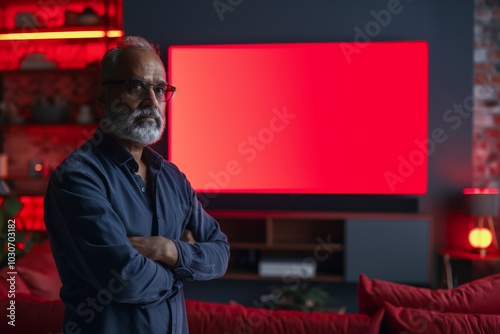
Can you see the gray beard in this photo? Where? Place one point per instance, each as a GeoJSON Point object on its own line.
{"type": "Point", "coordinates": [130, 126]}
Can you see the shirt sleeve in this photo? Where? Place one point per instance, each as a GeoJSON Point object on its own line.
{"type": "Point", "coordinates": [89, 235]}
{"type": "Point", "coordinates": [208, 257]}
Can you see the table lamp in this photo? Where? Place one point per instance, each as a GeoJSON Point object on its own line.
{"type": "Point", "coordinates": [482, 206]}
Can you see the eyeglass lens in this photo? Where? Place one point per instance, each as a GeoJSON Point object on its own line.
{"type": "Point", "coordinates": [139, 90]}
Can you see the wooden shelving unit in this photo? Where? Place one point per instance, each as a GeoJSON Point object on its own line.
{"type": "Point", "coordinates": [270, 235]}
{"type": "Point", "coordinates": [49, 70]}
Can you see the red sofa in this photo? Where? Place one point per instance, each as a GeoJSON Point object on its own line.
{"type": "Point", "coordinates": [384, 307]}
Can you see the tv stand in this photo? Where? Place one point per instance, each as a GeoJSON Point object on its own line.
{"type": "Point", "coordinates": [390, 246]}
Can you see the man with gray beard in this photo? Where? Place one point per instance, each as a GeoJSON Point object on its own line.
{"type": "Point", "coordinates": [124, 225]}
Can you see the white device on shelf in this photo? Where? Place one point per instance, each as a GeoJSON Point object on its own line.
{"type": "Point", "coordinates": [287, 267]}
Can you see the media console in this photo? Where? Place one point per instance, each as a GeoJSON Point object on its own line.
{"type": "Point", "coordinates": [390, 246]}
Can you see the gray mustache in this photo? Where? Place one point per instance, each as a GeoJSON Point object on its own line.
{"type": "Point", "coordinates": [147, 112]}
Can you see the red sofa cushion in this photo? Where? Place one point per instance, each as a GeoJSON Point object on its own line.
{"type": "Point", "coordinates": [481, 296]}
{"type": "Point", "coordinates": [39, 272]}
{"type": "Point", "coordinates": [399, 320]}
{"type": "Point", "coordinates": [33, 315]}
{"type": "Point", "coordinates": [204, 317]}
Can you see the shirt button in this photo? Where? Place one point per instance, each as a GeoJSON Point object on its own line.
{"type": "Point", "coordinates": [143, 190]}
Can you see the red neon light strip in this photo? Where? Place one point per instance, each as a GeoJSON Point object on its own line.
{"type": "Point", "coordinates": [472, 191]}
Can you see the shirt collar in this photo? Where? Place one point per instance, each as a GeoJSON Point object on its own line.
{"type": "Point", "coordinates": [120, 155]}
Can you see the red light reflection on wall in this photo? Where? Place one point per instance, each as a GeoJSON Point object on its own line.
{"type": "Point", "coordinates": [64, 55]}
{"type": "Point", "coordinates": [30, 216]}
{"type": "Point", "coordinates": [301, 118]}
{"type": "Point", "coordinates": [57, 14]}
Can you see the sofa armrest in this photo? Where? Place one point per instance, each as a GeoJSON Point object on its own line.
{"type": "Point", "coordinates": [31, 314]}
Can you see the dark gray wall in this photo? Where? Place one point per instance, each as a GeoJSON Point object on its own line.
{"type": "Point", "coordinates": [447, 25]}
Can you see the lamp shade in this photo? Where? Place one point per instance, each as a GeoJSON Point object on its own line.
{"type": "Point", "coordinates": [481, 201]}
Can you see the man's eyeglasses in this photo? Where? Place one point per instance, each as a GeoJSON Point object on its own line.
{"type": "Point", "coordinates": [138, 89]}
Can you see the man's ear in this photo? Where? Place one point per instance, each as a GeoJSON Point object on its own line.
{"type": "Point", "coordinates": [101, 97]}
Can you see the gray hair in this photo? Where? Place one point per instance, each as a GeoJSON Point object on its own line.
{"type": "Point", "coordinates": [110, 58]}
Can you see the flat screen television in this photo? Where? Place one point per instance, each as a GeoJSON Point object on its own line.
{"type": "Point", "coordinates": [300, 118]}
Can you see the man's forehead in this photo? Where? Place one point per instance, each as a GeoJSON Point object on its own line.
{"type": "Point", "coordinates": [140, 62]}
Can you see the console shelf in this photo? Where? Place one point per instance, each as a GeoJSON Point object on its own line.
{"type": "Point", "coordinates": [343, 245]}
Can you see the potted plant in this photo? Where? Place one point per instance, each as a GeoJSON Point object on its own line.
{"type": "Point", "coordinates": [301, 297]}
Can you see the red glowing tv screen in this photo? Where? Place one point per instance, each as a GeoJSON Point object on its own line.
{"type": "Point", "coordinates": [300, 118]}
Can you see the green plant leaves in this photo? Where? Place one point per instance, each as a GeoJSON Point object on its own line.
{"type": "Point", "coordinates": [11, 206]}
{"type": "Point", "coordinates": [299, 298]}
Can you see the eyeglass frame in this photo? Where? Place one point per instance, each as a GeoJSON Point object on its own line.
{"type": "Point", "coordinates": [168, 88]}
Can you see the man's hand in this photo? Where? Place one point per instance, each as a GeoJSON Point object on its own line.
{"type": "Point", "coordinates": [188, 237]}
{"type": "Point", "coordinates": [156, 248]}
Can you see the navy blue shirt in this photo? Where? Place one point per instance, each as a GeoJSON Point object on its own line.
{"type": "Point", "coordinates": [94, 202]}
